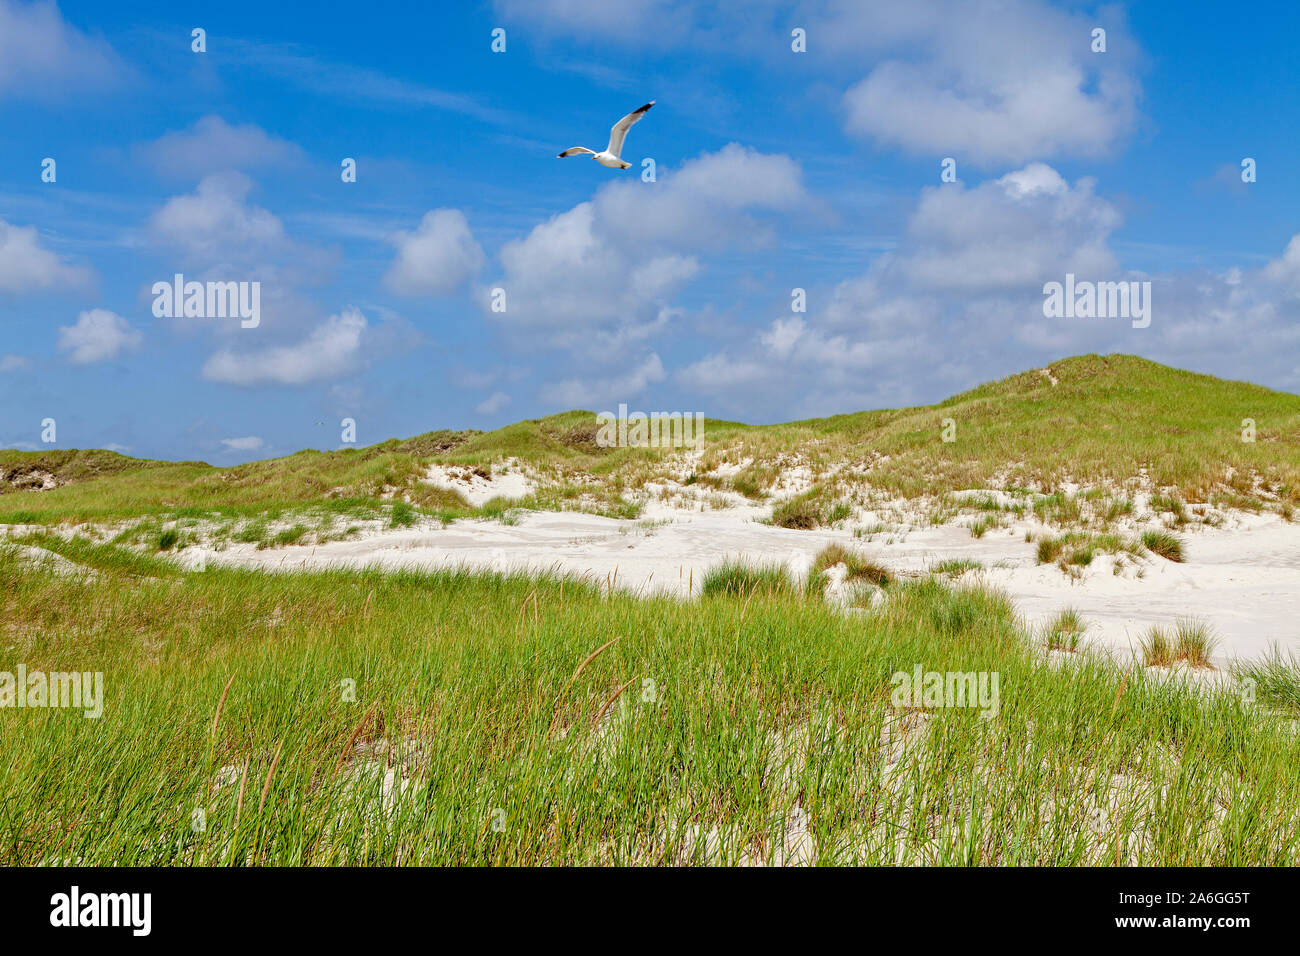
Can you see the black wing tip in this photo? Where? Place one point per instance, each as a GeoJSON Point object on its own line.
{"type": "Point", "coordinates": [646, 107]}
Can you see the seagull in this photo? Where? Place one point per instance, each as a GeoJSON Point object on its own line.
{"type": "Point", "coordinates": [610, 157]}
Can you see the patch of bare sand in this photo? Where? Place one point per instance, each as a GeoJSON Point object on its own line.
{"type": "Point", "coordinates": [1243, 578]}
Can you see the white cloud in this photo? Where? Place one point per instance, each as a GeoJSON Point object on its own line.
{"type": "Point", "coordinates": [981, 80]}
{"type": "Point", "coordinates": [215, 222]}
{"type": "Point", "coordinates": [961, 298]}
{"type": "Point", "coordinates": [14, 363]}
{"type": "Point", "coordinates": [247, 443]}
{"type": "Point", "coordinates": [42, 56]}
{"type": "Point", "coordinates": [1008, 233]}
{"type": "Point", "coordinates": [436, 259]}
{"type": "Point", "coordinates": [720, 372]}
{"type": "Point", "coordinates": [781, 338]}
{"type": "Point", "coordinates": [493, 403]}
{"type": "Point", "coordinates": [332, 349]}
{"type": "Point", "coordinates": [1285, 270]}
{"type": "Point", "coordinates": [574, 393]}
{"type": "Point", "coordinates": [99, 335]}
{"type": "Point", "coordinates": [1010, 82]}
{"type": "Point", "coordinates": [212, 145]}
{"type": "Point", "coordinates": [610, 266]}
{"type": "Point", "coordinates": [26, 266]}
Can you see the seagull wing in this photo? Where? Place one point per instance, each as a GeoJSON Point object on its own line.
{"type": "Point", "coordinates": [619, 131]}
{"type": "Point", "coordinates": [575, 151]}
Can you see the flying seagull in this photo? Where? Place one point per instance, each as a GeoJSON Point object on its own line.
{"type": "Point", "coordinates": [610, 157]}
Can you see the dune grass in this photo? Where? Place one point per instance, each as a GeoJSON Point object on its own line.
{"type": "Point", "coordinates": [1167, 545]}
{"type": "Point", "coordinates": [956, 567]}
{"type": "Point", "coordinates": [1079, 548]}
{"type": "Point", "coordinates": [858, 567]}
{"type": "Point", "coordinates": [1107, 420]}
{"type": "Point", "coordinates": [1275, 679]}
{"type": "Point", "coordinates": [735, 578]}
{"type": "Point", "coordinates": [362, 718]}
{"type": "Point", "coordinates": [1190, 641]}
{"type": "Point", "coordinates": [1065, 631]}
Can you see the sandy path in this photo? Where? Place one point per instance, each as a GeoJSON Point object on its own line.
{"type": "Point", "coordinates": [1245, 581]}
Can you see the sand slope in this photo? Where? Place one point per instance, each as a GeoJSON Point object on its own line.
{"type": "Point", "coordinates": [1244, 579]}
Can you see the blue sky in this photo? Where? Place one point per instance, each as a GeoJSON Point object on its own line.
{"type": "Point", "coordinates": [774, 170]}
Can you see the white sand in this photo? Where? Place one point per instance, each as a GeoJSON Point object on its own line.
{"type": "Point", "coordinates": [505, 481]}
{"type": "Point", "coordinates": [1244, 580]}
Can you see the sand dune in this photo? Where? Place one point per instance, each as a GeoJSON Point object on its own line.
{"type": "Point", "coordinates": [1244, 579]}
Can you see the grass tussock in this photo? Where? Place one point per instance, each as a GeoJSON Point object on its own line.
{"type": "Point", "coordinates": [743, 579]}
{"type": "Point", "coordinates": [1166, 545]}
{"type": "Point", "coordinates": [1078, 549]}
{"type": "Point", "coordinates": [858, 566]}
{"type": "Point", "coordinates": [1065, 631]}
{"type": "Point", "coordinates": [1273, 681]}
{"type": "Point", "coordinates": [1190, 641]}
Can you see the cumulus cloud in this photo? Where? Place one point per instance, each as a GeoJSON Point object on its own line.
{"type": "Point", "coordinates": [212, 145]}
{"type": "Point", "coordinates": [437, 258]}
{"type": "Point", "coordinates": [720, 372]}
{"type": "Point", "coordinates": [961, 299]}
{"type": "Point", "coordinates": [612, 264]}
{"type": "Point", "coordinates": [1008, 233]}
{"type": "Point", "coordinates": [332, 349]}
{"type": "Point", "coordinates": [493, 403]}
{"type": "Point", "coordinates": [98, 335]}
{"type": "Point", "coordinates": [43, 57]}
{"type": "Point", "coordinates": [26, 266]}
{"type": "Point", "coordinates": [574, 393]}
{"type": "Point", "coordinates": [216, 222]}
{"type": "Point", "coordinates": [247, 443]}
{"type": "Point", "coordinates": [1009, 81]}
{"type": "Point", "coordinates": [982, 80]}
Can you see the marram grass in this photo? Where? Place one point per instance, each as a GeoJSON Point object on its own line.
{"type": "Point", "coordinates": [359, 718]}
{"type": "Point", "coordinates": [1107, 420]}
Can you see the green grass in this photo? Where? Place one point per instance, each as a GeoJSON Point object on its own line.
{"type": "Point", "coordinates": [744, 579]}
{"type": "Point", "coordinates": [1078, 549]}
{"type": "Point", "coordinates": [1275, 680]}
{"type": "Point", "coordinates": [800, 513]}
{"type": "Point", "coordinates": [1190, 641]}
{"type": "Point", "coordinates": [1194, 643]}
{"type": "Point", "coordinates": [956, 567]}
{"type": "Point", "coordinates": [1065, 630]}
{"type": "Point", "coordinates": [816, 508]}
{"type": "Point", "coordinates": [402, 515]}
{"type": "Point", "coordinates": [288, 536]}
{"type": "Point", "coordinates": [459, 719]}
{"type": "Point", "coordinates": [858, 567]}
{"type": "Point", "coordinates": [1108, 420]}
{"type": "Point", "coordinates": [1163, 543]}
{"type": "Point", "coordinates": [1158, 647]}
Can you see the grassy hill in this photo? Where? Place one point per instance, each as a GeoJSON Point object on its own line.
{"type": "Point", "coordinates": [1090, 419]}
